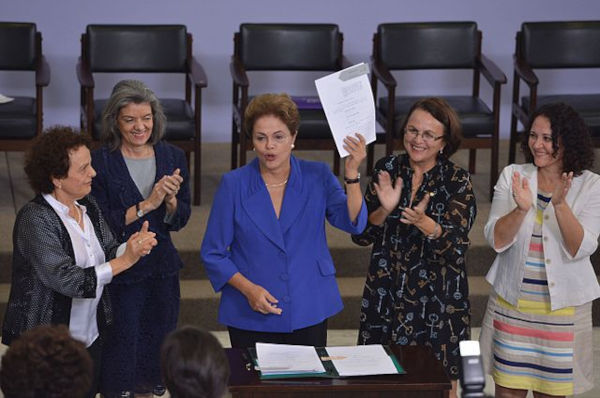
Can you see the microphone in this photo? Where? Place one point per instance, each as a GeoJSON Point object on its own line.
{"type": "Point", "coordinates": [472, 379]}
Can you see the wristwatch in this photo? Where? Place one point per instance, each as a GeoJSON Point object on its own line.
{"type": "Point", "coordinates": [352, 180]}
{"type": "Point", "coordinates": [138, 211]}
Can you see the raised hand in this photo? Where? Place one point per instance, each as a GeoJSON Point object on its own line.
{"type": "Point", "coordinates": [140, 243]}
{"type": "Point", "coordinates": [388, 194]}
{"type": "Point", "coordinates": [562, 188]}
{"type": "Point", "coordinates": [260, 300]}
{"type": "Point", "coordinates": [521, 192]}
{"type": "Point", "coordinates": [357, 148]}
{"type": "Point", "coordinates": [165, 189]}
{"type": "Point", "coordinates": [416, 214]}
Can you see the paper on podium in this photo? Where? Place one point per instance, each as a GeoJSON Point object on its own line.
{"type": "Point", "coordinates": [284, 359]}
{"type": "Point", "coordinates": [362, 360]}
{"type": "Point", "coordinates": [348, 103]}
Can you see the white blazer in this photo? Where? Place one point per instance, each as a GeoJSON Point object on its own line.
{"type": "Point", "coordinates": [571, 279]}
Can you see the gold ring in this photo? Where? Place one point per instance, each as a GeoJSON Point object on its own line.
{"type": "Point", "coordinates": [140, 241]}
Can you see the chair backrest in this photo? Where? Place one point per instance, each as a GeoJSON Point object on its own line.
{"type": "Point", "coordinates": [569, 44]}
{"type": "Point", "coordinates": [289, 46]}
{"type": "Point", "coordinates": [18, 46]}
{"type": "Point", "coordinates": [428, 45]}
{"type": "Point", "coordinates": [136, 48]}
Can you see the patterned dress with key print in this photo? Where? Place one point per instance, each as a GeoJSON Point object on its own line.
{"type": "Point", "coordinates": [416, 290]}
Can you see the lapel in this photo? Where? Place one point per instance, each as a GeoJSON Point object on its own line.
{"type": "Point", "coordinates": [295, 197]}
{"type": "Point", "coordinates": [257, 204]}
{"type": "Point", "coordinates": [119, 169]}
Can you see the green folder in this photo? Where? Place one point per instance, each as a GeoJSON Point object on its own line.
{"type": "Point", "coordinates": [330, 370]}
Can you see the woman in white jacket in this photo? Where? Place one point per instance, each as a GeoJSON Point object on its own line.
{"type": "Point", "coordinates": [544, 225]}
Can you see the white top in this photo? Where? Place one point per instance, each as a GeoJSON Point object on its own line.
{"type": "Point", "coordinates": [571, 279]}
{"type": "Point", "coordinates": [88, 253]}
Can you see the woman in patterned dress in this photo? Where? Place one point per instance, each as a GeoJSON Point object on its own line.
{"type": "Point", "coordinates": [544, 225]}
{"type": "Point", "coordinates": [421, 207]}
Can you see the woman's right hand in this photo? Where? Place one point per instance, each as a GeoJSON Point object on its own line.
{"type": "Point", "coordinates": [260, 300]}
{"type": "Point", "coordinates": [388, 194]}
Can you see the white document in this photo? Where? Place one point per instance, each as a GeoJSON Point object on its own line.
{"type": "Point", "coordinates": [348, 103]}
{"type": "Point", "coordinates": [279, 359]}
{"type": "Point", "coordinates": [361, 360]}
{"type": "Point", "coordinates": [4, 99]}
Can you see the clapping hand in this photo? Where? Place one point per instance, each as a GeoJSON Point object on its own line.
{"type": "Point", "coordinates": [562, 188]}
{"type": "Point", "coordinates": [521, 192]}
{"type": "Point", "coordinates": [388, 194]}
{"type": "Point", "coordinates": [415, 214]}
{"type": "Point", "coordinates": [140, 243]}
{"type": "Point", "coordinates": [165, 189]}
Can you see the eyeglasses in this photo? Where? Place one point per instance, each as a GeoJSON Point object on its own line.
{"type": "Point", "coordinates": [427, 136]}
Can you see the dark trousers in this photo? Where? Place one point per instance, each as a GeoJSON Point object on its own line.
{"type": "Point", "coordinates": [315, 335]}
{"type": "Point", "coordinates": [95, 351]}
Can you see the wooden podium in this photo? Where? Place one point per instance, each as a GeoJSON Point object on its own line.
{"type": "Point", "coordinates": [425, 378]}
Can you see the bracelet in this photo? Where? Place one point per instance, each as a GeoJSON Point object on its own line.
{"type": "Point", "coordinates": [352, 180]}
{"type": "Point", "coordinates": [434, 234]}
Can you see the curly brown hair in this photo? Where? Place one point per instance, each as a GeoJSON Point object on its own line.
{"type": "Point", "coordinates": [443, 113]}
{"type": "Point", "coordinates": [48, 156]}
{"type": "Point", "coordinates": [46, 362]}
{"type": "Point", "coordinates": [278, 105]}
{"type": "Point", "coordinates": [569, 131]}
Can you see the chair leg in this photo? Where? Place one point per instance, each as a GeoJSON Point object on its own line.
{"type": "Point", "coordinates": [197, 175]}
{"type": "Point", "coordinates": [513, 139]}
{"type": "Point", "coordinates": [234, 144]}
{"type": "Point", "coordinates": [370, 159]}
{"type": "Point", "coordinates": [472, 158]}
{"type": "Point", "coordinates": [336, 163]}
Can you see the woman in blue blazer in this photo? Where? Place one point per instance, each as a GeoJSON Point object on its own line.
{"type": "Point", "coordinates": [140, 178]}
{"type": "Point", "coordinates": [265, 247]}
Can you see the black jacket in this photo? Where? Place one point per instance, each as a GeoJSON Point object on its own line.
{"type": "Point", "coordinates": [44, 275]}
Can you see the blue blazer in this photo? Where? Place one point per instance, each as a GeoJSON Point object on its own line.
{"type": "Point", "coordinates": [115, 192]}
{"type": "Point", "coordinates": [287, 256]}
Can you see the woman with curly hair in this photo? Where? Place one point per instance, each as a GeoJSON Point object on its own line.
{"type": "Point", "coordinates": [544, 225]}
{"type": "Point", "coordinates": [46, 361]}
{"type": "Point", "coordinates": [64, 253]}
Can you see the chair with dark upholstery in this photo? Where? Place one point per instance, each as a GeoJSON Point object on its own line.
{"type": "Point", "coordinates": [437, 45]}
{"type": "Point", "coordinates": [146, 49]}
{"type": "Point", "coordinates": [285, 47]}
{"type": "Point", "coordinates": [554, 45]}
{"type": "Point", "coordinates": [21, 50]}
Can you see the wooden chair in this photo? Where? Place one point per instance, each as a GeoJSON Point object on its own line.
{"type": "Point", "coordinates": [146, 49]}
{"type": "Point", "coordinates": [285, 47]}
{"type": "Point", "coordinates": [554, 45]}
{"type": "Point", "coordinates": [22, 119]}
{"type": "Point", "coordinates": [437, 45]}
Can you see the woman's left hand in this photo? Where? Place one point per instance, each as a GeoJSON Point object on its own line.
{"type": "Point", "coordinates": [357, 148]}
{"type": "Point", "coordinates": [416, 214]}
{"type": "Point", "coordinates": [562, 188]}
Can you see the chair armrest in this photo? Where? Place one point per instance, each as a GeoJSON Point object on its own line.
{"type": "Point", "coordinates": [525, 72]}
{"type": "Point", "coordinates": [382, 73]}
{"type": "Point", "coordinates": [197, 73]}
{"type": "Point", "coordinates": [490, 71]}
{"type": "Point", "coordinates": [42, 73]}
{"type": "Point", "coordinates": [238, 74]}
{"type": "Point", "coordinates": [346, 63]}
{"type": "Point", "coordinates": [84, 75]}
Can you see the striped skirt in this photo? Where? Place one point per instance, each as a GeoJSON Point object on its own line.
{"type": "Point", "coordinates": [529, 347]}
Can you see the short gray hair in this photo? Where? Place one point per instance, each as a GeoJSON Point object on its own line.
{"type": "Point", "coordinates": [124, 93]}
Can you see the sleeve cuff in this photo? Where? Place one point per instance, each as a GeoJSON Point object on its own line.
{"type": "Point", "coordinates": [104, 274]}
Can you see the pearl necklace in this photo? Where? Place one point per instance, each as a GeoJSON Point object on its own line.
{"type": "Point", "coordinates": [276, 185]}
